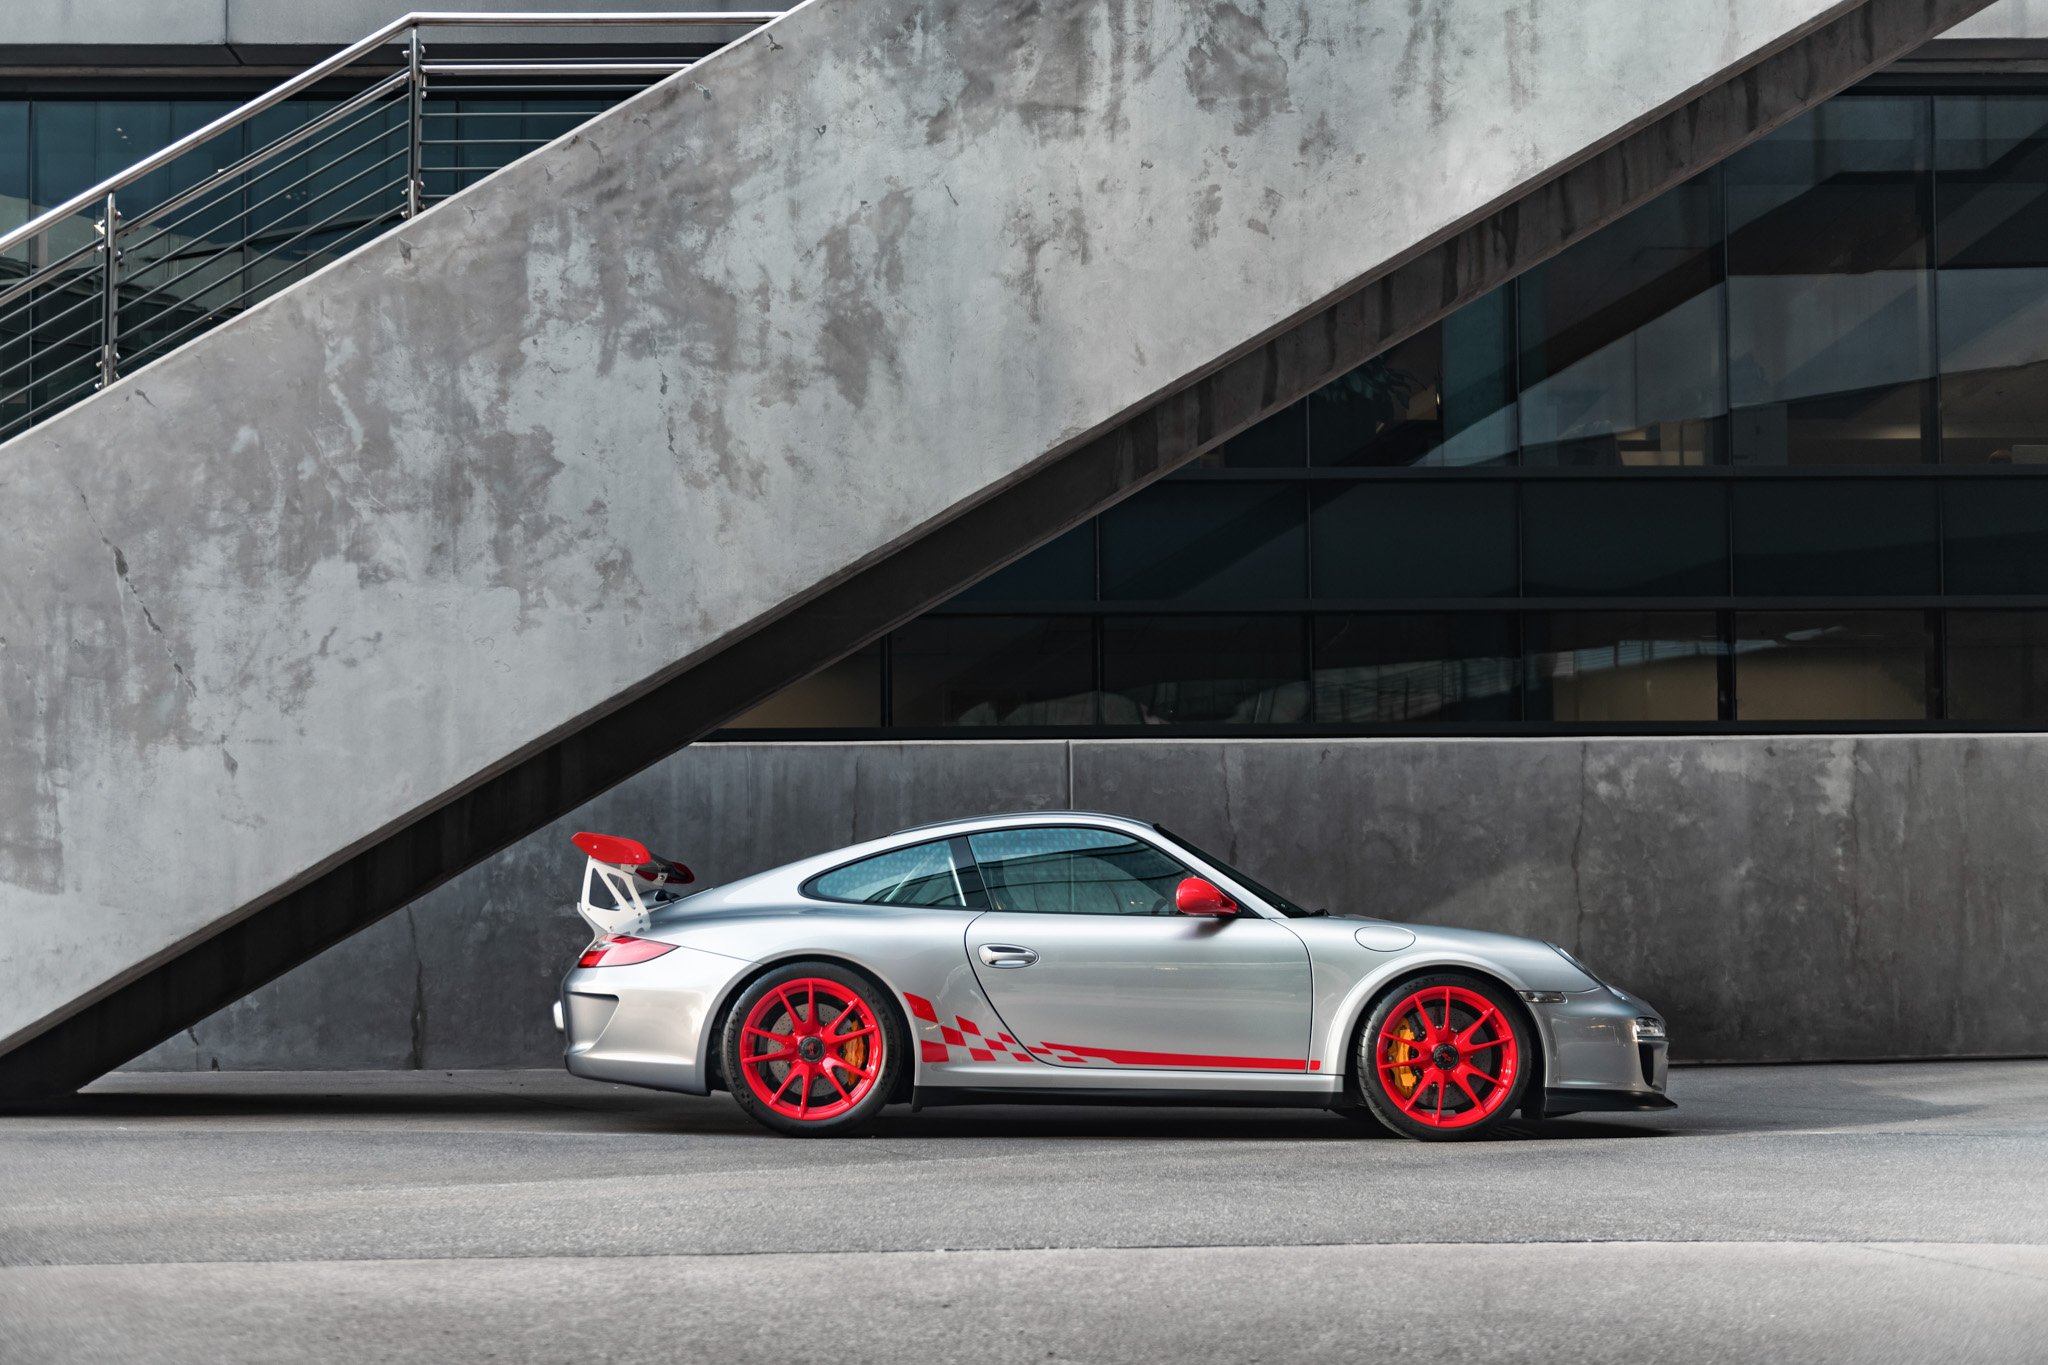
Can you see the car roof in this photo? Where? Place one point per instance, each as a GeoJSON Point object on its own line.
{"type": "Point", "coordinates": [1005, 819]}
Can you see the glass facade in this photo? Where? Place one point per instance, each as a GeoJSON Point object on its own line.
{"type": "Point", "coordinates": [1769, 453]}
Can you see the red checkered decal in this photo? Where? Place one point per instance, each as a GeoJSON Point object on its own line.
{"type": "Point", "coordinates": [979, 1046]}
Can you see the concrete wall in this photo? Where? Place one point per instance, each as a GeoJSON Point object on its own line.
{"type": "Point", "coordinates": [271, 24]}
{"type": "Point", "coordinates": [567, 435]}
{"type": "Point", "coordinates": [1780, 897]}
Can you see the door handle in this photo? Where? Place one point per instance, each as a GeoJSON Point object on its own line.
{"type": "Point", "coordinates": [1006, 955]}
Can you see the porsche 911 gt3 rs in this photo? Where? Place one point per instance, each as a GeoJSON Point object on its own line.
{"type": "Point", "coordinates": [1074, 957]}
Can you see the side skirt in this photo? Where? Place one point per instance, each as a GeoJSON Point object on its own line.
{"type": "Point", "coordinates": [942, 1096]}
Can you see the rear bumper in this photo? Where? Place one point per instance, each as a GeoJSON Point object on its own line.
{"type": "Point", "coordinates": [644, 1024]}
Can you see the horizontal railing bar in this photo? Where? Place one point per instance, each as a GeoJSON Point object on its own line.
{"type": "Point", "coordinates": [554, 69]}
{"type": "Point", "coordinates": [513, 113]}
{"type": "Point", "coordinates": [39, 278]}
{"type": "Point", "coordinates": [85, 385]}
{"type": "Point", "coordinates": [254, 180]}
{"type": "Point", "coordinates": [290, 185]}
{"type": "Point", "coordinates": [91, 296]}
{"type": "Point", "coordinates": [237, 246]}
{"type": "Point", "coordinates": [321, 70]}
{"type": "Point", "coordinates": [44, 354]}
{"type": "Point", "coordinates": [29, 335]}
{"type": "Point", "coordinates": [232, 303]}
{"type": "Point", "coordinates": [272, 149]}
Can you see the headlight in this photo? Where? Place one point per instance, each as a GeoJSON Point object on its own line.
{"type": "Point", "coordinates": [1579, 966]}
{"type": "Point", "coordinates": [1649, 1028]}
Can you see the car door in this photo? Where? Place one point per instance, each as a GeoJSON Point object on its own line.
{"type": "Point", "coordinates": [1088, 962]}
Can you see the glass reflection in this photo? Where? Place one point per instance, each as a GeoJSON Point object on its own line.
{"type": "Point", "coordinates": [1603, 667]}
{"type": "Point", "coordinates": [1995, 536]}
{"type": "Point", "coordinates": [1828, 289]}
{"type": "Point", "coordinates": [1621, 340]}
{"type": "Point", "coordinates": [1992, 159]}
{"type": "Point", "coordinates": [1443, 397]}
{"type": "Point", "coordinates": [1376, 669]}
{"type": "Point", "coordinates": [1830, 666]}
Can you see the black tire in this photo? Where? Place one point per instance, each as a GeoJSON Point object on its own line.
{"type": "Point", "coordinates": [828, 1060]}
{"type": "Point", "coordinates": [1446, 1096]}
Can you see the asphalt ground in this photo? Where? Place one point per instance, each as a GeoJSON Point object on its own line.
{"type": "Point", "coordinates": [1837, 1213]}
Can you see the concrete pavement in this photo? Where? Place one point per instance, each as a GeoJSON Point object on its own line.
{"type": "Point", "coordinates": [1862, 1213]}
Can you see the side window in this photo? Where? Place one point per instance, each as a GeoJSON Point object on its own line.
{"type": "Point", "coordinates": [920, 875]}
{"type": "Point", "coordinates": [1075, 872]}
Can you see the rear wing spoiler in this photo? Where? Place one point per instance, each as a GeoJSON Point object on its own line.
{"type": "Point", "coordinates": [618, 870]}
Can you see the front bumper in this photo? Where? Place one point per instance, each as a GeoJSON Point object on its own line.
{"type": "Point", "coordinates": [644, 1024]}
{"type": "Point", "coordinates": [1599, 1059]}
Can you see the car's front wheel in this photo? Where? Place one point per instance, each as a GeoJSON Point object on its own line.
{"type": "Point", "coordinates": [813, 1049]}
{"type": "Point", "coordinates": [1444, 1057]}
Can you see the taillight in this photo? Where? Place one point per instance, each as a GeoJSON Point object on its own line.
{"type": "Point", "coordinates": [618, 950]}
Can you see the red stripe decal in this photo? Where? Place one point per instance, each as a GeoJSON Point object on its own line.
{"type": "Point", "coordinates": [1120, 1057]}
{"type": "Point", "coordinates": [933, 1052]}
{"type": "Point", "coordinates": [922, 1008]}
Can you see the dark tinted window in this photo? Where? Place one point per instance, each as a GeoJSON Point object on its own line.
{"type": "Point", "coordinates": [1809, 537]}
{"type": "Point", "coordinates": [1602, 539]}
{"type": "Point", "coordinates": [843, 695]}
{"type": "Point", "coordinates": [997, 670]}
{"type": "Point", "coordinates": [1618, 666]}
{"type": "Point", "coordinates": [1233, 670]}
{"type": "Point", "coordinates": [1276, 443]}
{"type": "Point", "coordinates": [1998, 666]}
{"type": "Point", "coordinates": [1443, 397]}
{"type": "Point", "coordinates": [920, 875]}
{"type": "Point", "coordinates": [1061, 570]}
{"type": "Point", "coordinates": [1217, 542]}
{"type": "Point", "coordinates": [1621, 340]}
{"type": "Point", "coordinates": [1062, 871]}
{"type": "Point", "coordinates": [1832, 666]}
{"type": "Point", "coordinates": [1453, 667]}
{"type": "Point", "coordinates": [1828, 289]}
{"type": "Point", "coordinates": [1995, 535]}
{"type": "Point", "coordinates": [1415, 540]}
{"type": "Point", "coordinates": [1992, 158]}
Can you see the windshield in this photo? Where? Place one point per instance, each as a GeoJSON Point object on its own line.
{"type": "Point", "coordinates": [1270, 897]}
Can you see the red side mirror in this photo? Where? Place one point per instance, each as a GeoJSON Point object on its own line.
{"type": "Point", "coordinates": [1197, 897]}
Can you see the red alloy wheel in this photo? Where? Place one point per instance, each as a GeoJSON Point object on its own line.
{"type": "Point", "coordinates": [811, 1049]}
{"type": "Point", "coordinates": [1446, 1057]}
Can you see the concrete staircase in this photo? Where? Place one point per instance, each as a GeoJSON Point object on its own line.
{"type": "Point", "coordinates": [316, 611]}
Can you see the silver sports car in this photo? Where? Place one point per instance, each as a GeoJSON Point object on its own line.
{"type": "Point", "coordinates": [1072, 957]}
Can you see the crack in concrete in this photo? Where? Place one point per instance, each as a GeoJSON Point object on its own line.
{"type": "Point", "coordinates": [121, 572]}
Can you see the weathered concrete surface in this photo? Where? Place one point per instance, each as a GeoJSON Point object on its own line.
{"type": "Point", "coordinates": [1781, 898]}
{"type": "Point", "coordinates": [562, 439]}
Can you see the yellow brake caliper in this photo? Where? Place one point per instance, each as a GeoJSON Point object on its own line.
{"type": "Point", "coordinates": [1406, 1077]}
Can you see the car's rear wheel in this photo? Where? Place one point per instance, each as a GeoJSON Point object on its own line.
{"type": "Point", "coordinates": [813, 1049]}
{"type": "Point", "coordinates": [1444, 1057]}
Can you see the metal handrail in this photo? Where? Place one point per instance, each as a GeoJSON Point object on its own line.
{"type": "Point", "coordinates": [151, 276]}
{"type": "Point", "coordinates": [345, 58]}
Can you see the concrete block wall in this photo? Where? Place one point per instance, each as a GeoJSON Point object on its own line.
{"type": "Point", "coordinates": [1801, 898]}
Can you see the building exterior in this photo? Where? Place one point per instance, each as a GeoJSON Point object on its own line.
{"type": "Point", "coordinates": [1684, 599]}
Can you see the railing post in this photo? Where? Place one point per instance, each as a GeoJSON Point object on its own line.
{"type": "Point", "coordinates": [110, 298]}
{"type": "Point", "coordinates": [415, 107]}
